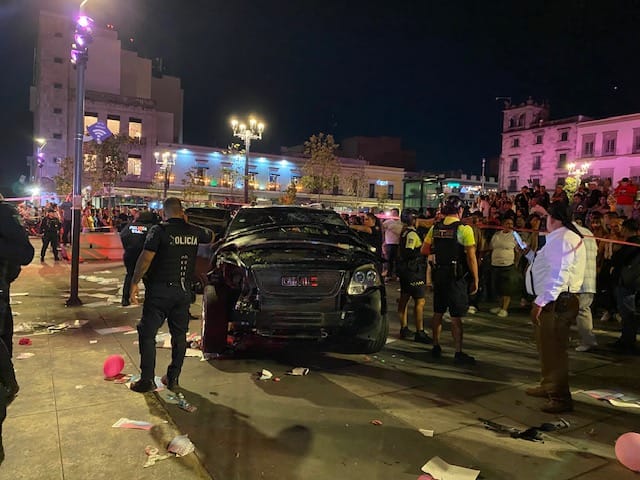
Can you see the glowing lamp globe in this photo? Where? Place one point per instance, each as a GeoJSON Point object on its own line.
{"type": "Point", "coordinates": [113, 365]}
{"type": "Point", "coordinates": [628, 450]}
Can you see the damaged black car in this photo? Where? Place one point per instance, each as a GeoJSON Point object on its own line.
{"type": "Point", "coordinates": [294, 274]}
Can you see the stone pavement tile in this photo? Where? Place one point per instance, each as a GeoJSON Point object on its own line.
{"type": "Point", "coordinates": [34, 377]}
{"type": "Point", "coordinates": [31, 445]}
{"type": "Point", "coordinates": [610, 376]}
{"type": "Point", "coordinates": [92, 449]}
{"type": "Point", "coordinates": [612, 470]}
{"type": "Point", "coordinates": [503, 458]}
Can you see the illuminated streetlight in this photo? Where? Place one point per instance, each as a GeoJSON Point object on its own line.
{"type": "Point", "coordinates": [578, 170]}
{"type": "Point", "coordinates": [254, 132]}
{"type": "Point", "coordinates": [166, 160]}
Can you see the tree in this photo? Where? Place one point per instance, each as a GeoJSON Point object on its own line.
{"type": "Point", "coordinates": [289, 196]}
{"type": "Point", "coordinates": [106, 163]}
{"type": "Point", "coordinates": [64, 179]}
{"type": "Point", "coordinates": [322, 168]}
{"type": "Point", "coordinates": [194, 184]}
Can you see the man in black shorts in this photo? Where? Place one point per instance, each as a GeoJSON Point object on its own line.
{"type": "Point", "coordinates": [413, 274]}
{"type": "Point", "coordinates": [454, 274]}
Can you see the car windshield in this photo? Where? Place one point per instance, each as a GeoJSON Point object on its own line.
{"type": "Point", "coordinates": [256, 218]}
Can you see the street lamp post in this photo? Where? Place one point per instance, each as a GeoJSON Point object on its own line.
{"type": "Point", "coordinates": [167, 160]}
{"type": "Point", "coordinates": [79, 57]}
{"type": "Point", "coordinates": [253, 132]}
{"type": "Point", "coordinates": [482, 179]}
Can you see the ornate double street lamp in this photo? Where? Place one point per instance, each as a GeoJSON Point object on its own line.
{"type": "Point", "coordinates": [166, 160]}
{"type": "Point", "coordinates": [253, 132]}
{"type": "Point", "coordinates": [576, 171]}
{"type": "Point", "coordinates": [79, 57]}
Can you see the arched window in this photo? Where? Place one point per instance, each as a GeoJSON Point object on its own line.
{"type": "Point", "coordinates": [512, 122]}
{"type": "Point", "coordinates": [521, 120]}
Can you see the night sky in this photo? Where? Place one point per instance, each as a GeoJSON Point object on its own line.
{"type": "Point", "coordinates": [428, 71]}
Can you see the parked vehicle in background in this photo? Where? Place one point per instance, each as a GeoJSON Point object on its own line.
{"type": "Point", "coordinates": [294, 274]}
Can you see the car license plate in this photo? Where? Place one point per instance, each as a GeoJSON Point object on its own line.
{"type": "Point", "coordinates": [299, 281]}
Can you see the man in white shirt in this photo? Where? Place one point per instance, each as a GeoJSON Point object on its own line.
{"type": "Point", "coordinates": [392, 229]}
{"type": "Point", "coordinates": [554, 278]}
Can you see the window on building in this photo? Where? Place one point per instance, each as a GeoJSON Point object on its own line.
{"type": "Point", "coordinates": [57, 60]}
{"type": "Point", "coordinates": [515, 142]}
{"type": "Point", "coordinates": [113, 124]}
{"type": "Point", "coordinates": [636, 140]}
{"type": "Point", "coordinates": [200, 176]}
{"type": "Point", "coordinates": [134, 165]}
{"type": "Point", "coordinates": [538, 139]}
{"type": "Point", "coordinates": [521, 120]}
{"type": "Point", "coordinates": [390, 191]}
{"type": "Point", "coordinates": [634, 174]}
{"type": "Point", "coordinates": [226, 177]}
{"type": "Point", "coordinates": [513, 184]}
{"type": "Point", "coordinates": [372, 190]}
{"type": "Point", "coordinates": [512, 122]}
{"type": "Point", "coordinates": [513, 166]}
{"type": "Point", "coordinates": [537, 162]}
{"type": "Point", "coordinates": [535, 181]}
{"type": "Point", "coordinates": [57, 85]}
{"type": "Point", "coordinates": [564, 136]}
{"type": "Point", "coordinates": [57, 136]}
{"type": "Point", "coordinates": [89, 119]}
{"type": "Point", "coordinates": [609, 143]}
{"type": "Point", "coordinates": [253, 180]}
{"type": "Point", "coordinates": [562, 160]}
{"type": "Point", "coordinates": [57, 111]}
{"type": "Point", "coordinates": [587, 149]}
{"type": "Point", "coordinates": [135, 128]}
{"type": "Point", "coordinates": [274, 182]}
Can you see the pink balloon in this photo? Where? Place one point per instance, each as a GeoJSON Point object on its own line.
{"type": "Point", "coordinates": [628, 450]}
{"type": "Point", "coordinates": [113, 365]}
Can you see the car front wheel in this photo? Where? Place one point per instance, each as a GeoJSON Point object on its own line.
{"type": "Point", "coordinates": [215, 320]}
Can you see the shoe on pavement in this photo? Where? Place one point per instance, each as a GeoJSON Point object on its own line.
{"type": "Point", "coordinates": [462, 358]}
{"type": "Point", "coordinates": [585, 348]}
{"type": "Point", "coordinates": [557, 406]}
{"type": "Point", "coordinates": [422, 337]}
{"type": "Point", "coordinates": [472, 310]}
{"type": "Point", "coordinates": [143, 386]}
{"type": "Point", "coordinates": [495, 310]}
{"type": "Point", "coordinates": [537, 392]}
{"type": "Point", "coordinates": [170, 383]}
{"type": "Point", "coordinates": [436, 351]}
{"type": "Point", "coordinates": [405, 332]}
{"type": "Point", "coordinates": [502, 313]}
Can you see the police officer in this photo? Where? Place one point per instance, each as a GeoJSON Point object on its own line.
{"type": "Point", "coordinates": [50, 230]}
{"type": "Point", "coordinates": [455, 274]}
{"type": "Point", "coordinates": [412, 271]}
{"type": "Point", "coordinates": [133, 237]}
{"type": "Point", "coordinates": [15, 250]}
{"type": "Point", "coordinates": [167, 263]}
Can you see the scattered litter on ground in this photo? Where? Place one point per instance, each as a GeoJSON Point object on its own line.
{"type": "Point", "coordinates": [153, 456]}
{"type": "Point", "coordinates": [426, 476]}
{"type": "Point", "coordinates": [99, 295]}
{"type": "Point", "coordinates": [14, 302]}
{"type": "Point", "coordinates": [132, 424]}
{"type": "Point", "coordinates": [77, 324]}
{"type": "Point", "coordinates": [169, 397]}
{"type": "Point", "coordinates": [184, 405]}
{"type": "Point", "coordinates": [16, 314]}
{"type": "Point", "coordinates": [376, 422]}
{"type": "Point", "coordinates": [19, 294]}
{"type": "Point", "coordinates": [79, 387]}
{"type": "Point", "coordinates": [438, 468]}
{"type": "Point", "coordinates": [298, 371]}
{"type": "Point", "coordinates": [192, 352]}
{"type": "Point", "coordinates": [621, 403]}
{"type": "Point", "coordinates": [93, 342]}
{"type": "Point", "coordinates": [103, 272]}
{"type": "Point", "coordinates": [592, 432]}
{"type": "Point", "coordinates": [25, 341]}
{"type": "Point", "coordinates": [135, 378]}
{"type": "Point", "coordinates": [533, 434]}
{"type": "Point", "coordinates": [121, 378]}
{"type": "Point", "coordinates": [615, 398]}
{"type": "Point", "coordinates": [181, 446]}
{"type": "Point", "coordinates": [131, 332]}
{"type": "Point", "coordinates": [425, 432]}
{"type": "Point", "coordinates": [110, 330]}
{"type": "Point", "coordinates": [265, 374]}
{"type": "Point", "coordinates": [276, 379]}
{"type": "Point", "coordinates": [25, 355]}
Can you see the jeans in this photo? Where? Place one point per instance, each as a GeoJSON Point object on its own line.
{"type": "Point", "coordinates": [391, 253]}
{"type": "Point", "coordinates": [626, 301]}
{"type": "Point", "coordinates": [162, 301]}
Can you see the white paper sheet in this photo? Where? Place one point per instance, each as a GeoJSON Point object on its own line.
{"type": "Point", "coordinates": [441, 470]}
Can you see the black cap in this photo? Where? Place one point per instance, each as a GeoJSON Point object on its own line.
{"type": "Point", "coordinates": [452, 204]}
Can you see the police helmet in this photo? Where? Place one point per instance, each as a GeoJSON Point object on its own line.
{"type": "Point", "coordinates": [408, 216]}
{"type": "Point", "coordinates": [452, 204]}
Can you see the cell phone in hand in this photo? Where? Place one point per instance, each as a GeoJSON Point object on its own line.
{"type": "Point", "coordinates": [521, 243]}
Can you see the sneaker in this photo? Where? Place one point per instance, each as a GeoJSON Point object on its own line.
{"type": "Point", "coordinates": [557, 406]}
{"type": "Point", "coordinates": [606, 316]}
{"type": "Point", "coordinates": [462, 358]}
{"type": "Point", "coordinates": [170, 383]}
{"type": "Point", "coordinates": [422, 337]}
{"type": "Point", "coordinates": [436, 351]}
{"type": "Point", "coordinates": [584, 348]}
{"type": "Point", "coordinates": [472, 310]}
{"type": "Point", "coordinates": [405, 332]}
{"type": "Point", "coordinates": [537, 392]}
{"type": "Point", "coordinates": [502, 313]}
{"type": "Point", "coordinates": [143, 386]}
{"type": "Point", "coordinates": [495, 310]}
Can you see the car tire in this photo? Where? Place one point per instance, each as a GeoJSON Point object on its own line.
{"type": "Point", "coordinates": [215, 321]}
{"type": "Point", "coordinates": [376, 343]}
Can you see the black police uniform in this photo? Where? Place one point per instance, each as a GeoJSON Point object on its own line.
{"type": "Point", "coordinates": [133, 237]}
{"type": "Point", "coordinates": [450, 271]}
{"type": "Point", "coordinates": [412, 267]}
{"type": "Point", "coordinates": [15, 250]}
{"type": "Point", "coordinates": [168, 292]}
{"type": "Point", "coordinates": [50, 229]}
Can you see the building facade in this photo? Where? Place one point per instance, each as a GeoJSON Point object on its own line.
{"type": "Point", "coordinates": [120, 91]}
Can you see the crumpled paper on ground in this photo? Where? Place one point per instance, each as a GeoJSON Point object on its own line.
{"type": "Point", "coordinates": [153, 456]}
{"type": "Point", "coordinates": [181, 446]}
